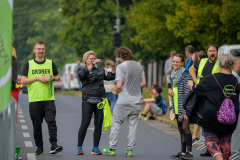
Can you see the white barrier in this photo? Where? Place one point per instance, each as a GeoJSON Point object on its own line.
{"type": "Point", "coordinates": [235, 144]}
{"type": "Point", "coordinates": [7, 133]}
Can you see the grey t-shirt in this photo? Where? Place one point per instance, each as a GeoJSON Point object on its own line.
{"type": "Point", "coordinates": [130, 73]}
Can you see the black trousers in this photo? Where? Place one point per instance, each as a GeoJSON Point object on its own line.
{"type": "Point", "coordinates": [87, 110]}
{"type": "Point", "coordinates": [46, 110]}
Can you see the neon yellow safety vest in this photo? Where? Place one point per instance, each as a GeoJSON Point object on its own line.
{"type": "Point", "coordinates": [39, 91]}
{"type": "Point", "coordinates": [203, 61]}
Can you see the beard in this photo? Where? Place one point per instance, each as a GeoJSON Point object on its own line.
{"type": "Point", "coordinates": [214, 60]}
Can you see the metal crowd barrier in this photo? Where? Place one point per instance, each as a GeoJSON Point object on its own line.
{"type": "Point", "coordinates": [8, 130]}
{"type": "Point", "coordinates": [235, 143]}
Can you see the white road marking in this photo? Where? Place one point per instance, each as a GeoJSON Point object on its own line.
{"type": "Point", "coordinates": [22, 120]}
{"type": "Point", "coordinates": [21, 116]}
{"type": "Point", "coordinates": [24, 127]}
{"type": "Point", "coordinates": [31, 156]}
{"type": "Point", "coordinates": [28, 143]}
{"type": "Point", "coordinates": [26, 134]}
{"type": "Point", "coordinates": [20, 112]}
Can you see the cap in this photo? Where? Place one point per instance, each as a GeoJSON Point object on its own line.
{"type": "Point", "coordinates": [158, 89]}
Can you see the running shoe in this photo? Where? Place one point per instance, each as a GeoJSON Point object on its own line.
{"type": "Point", "coordinates": [178, 156]}
{"type": "Point", "coordinates": [206, 154]}
{"type": "Point", "coordinates": [96, 151]}
{"type": "Point", "coordinates": [55, 149]}
{"type": "Point", "coordinates": [79, 151]}
{"type": "Point", "coordinates": [109, 151]}
{"type": "Point", "coordinates": [187, 156]}
{"type": "Point", "coordinates": [151, 118]}
{"type": "Point", "coordinates": [39, 150]}
{"type": "Point", "coordinates": [129, 153]}
{"type": "Point", "coordinates": [146, 118]}
{"type": "Point", "coordinates": [195, 140]}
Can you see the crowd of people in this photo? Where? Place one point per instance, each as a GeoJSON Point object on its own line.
{"type": "Point", "coordinates": [196, 92]}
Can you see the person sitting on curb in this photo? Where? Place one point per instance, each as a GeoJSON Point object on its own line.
{"type": "Point", "coordinates": [156, 105]}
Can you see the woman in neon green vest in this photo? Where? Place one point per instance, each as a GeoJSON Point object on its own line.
{"type": "Point", "coordinates": [179, 78]}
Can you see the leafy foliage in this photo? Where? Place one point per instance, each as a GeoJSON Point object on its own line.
{"type": "Point", "coordinates": [40, 20]}
{"type": "Point", "coordinates": [205, 22]}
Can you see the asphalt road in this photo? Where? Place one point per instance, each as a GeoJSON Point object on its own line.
{"type": "Point", "coordinates": [155, 140]}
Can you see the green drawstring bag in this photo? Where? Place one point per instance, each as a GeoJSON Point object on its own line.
{"type": "Point", "coordinates": [107, 119]}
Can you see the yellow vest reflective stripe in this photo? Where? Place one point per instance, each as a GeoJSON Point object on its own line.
{"type": "Point", "coordinates": [203, 61]}
{"type": "Point", "coordinates": [39, 91]}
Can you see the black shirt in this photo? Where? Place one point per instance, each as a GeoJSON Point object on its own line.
{"type": "Point", "coordinates": [26, 67]}
{"type": "Point", "coordinates": [214, 97]}
{"type": "Point", "coordinates": [207, 69]}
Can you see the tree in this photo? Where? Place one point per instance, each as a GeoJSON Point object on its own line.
{"type": "Point", "coordinates": [33, 23]}
{"type": "Point", "coordinates": [205, 22]}
{"type": "Point", "coordinates": [149, 21]}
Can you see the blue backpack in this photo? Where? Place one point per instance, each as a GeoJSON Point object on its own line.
{"type": "Point", "coordinates": [163, 104]}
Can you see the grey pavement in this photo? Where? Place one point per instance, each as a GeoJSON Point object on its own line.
{"type": "Point", "coordinates": [155, 140]}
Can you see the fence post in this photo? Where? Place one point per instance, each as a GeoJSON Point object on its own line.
{"type": "Point", "coordinates": [160, 73]}
{"type": "Point", "coordinates": [155, 73]}
{"type": "Point", "coordinates": [149, 80]}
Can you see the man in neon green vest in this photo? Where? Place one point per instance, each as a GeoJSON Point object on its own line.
{"type": "Point", "coordinates": [204, 67]}
{"type": "Point", "coordinates": [39, 74]}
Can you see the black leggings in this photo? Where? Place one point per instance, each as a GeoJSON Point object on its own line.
{"type": "Point", "coordinates": [185, 135]}
{"type": "Point", "coordinates": [87, 111]}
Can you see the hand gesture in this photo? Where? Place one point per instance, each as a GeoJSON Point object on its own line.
{"type": "Point", "coordinates": [43, 79]}
{"type": "Point", "coordinates": [97, 61]}
{"type": "Point", "coordinates": [190, 84]}
{"type": "Point", "coordinates": [111, 62]}
{"type": "Point", "coordinates": [185, 117]}
{"type": "Point", "coordinates": [170, 92]}
{"type": "Point", "coordinates": [146, 89]}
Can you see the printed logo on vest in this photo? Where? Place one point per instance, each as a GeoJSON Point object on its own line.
{"type": "Point", "coordinates": [41, 71]}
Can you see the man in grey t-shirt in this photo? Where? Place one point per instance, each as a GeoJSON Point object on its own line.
{"type": "Point", "coordinates": [130, 78]}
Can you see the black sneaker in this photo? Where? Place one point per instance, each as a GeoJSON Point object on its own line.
{"type": "Point", "coordinates": [206, 154]}
{"type": "Point", "coordinates": [151, 118]}
{"type": "Point", "coordinates": [195, 140]}
{"type": "Point", "coordinates": [39, 150]}
{"type": "Point", "coordinates": [178, 156]}
{"type": "Point", "coordinates": [55, 149]}
{"type": "Point", "coordinates": [187, 156]}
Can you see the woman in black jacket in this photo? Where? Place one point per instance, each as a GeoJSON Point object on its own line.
{"type": "Point", "coordinates": [214, 131]}
{"type": "Point", "coordinates": [92, 90]}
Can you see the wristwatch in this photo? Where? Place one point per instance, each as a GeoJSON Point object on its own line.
{"type": "Point", "coordinates": [53, 78]}
{"type": "Point", "coordinates": [93, 64]}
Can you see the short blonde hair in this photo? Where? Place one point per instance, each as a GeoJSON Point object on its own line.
{"type": "Point", "coordinates": [226, 61]}
{"type": "Point", "coordinates": [87, 54]}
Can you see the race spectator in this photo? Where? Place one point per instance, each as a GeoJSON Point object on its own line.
{"type": "Point", "coordinates": [236, 68]}
{"type": "Point", "coordinates": [108, 85]}
{"type": "Point", "coordinates": [157, 105]}
{"type": "Point", "coordinates": [195, 57]}
{"type": "Point", "coordinates": [189, 50]}
{"type": "Point", "coordinates": [200, 70]}
{"type": "Point", "coordinates": [201, 55]}
{"type": "Point", "coordinates": [215, 88]}
{"type": "Point", "coordinates": [130, 78]}
{"type": "Point", "coordinates": [167, 70]}
{"type": "Point", "coordinates": [179, 91]}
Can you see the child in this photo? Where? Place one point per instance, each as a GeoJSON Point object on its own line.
{"type": "Point", "coordinates": [156, 105]}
